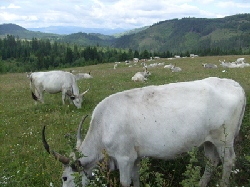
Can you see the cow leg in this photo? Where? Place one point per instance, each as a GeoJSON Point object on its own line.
{"type": "Point", "coordinates": [66, 92]}
{"type": "Point", "coordinates": [64, 95]}
{"type": "Point", "coordinates": [227, 156]}
{"type": "Point", "coordinates": [126, 165]}
{"type": "Point", "coordinates": [63, 98]}
{"type": "Point", "coordinates": [213, 160]}
{"type": "Point", "coordinates": [39, 95]}
{"type": "Point", "coordinates": [135, 173]}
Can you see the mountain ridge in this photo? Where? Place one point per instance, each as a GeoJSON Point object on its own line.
{"type": "Point", "coordinates": [66, 30]}
{"type": "Point", "coordinates": [176, 35]}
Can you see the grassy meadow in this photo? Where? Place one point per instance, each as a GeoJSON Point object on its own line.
{"type": "Point", "coordinates": [23, 160]}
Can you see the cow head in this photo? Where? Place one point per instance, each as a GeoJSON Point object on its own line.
{"type": "Point", "coordinates": [73, 173]}
{"type": "Point", "coordinates": [77, 99]}
{"type": "Point", "coordinates": [73, 176]}
{"type": "Point", "coordinates": [146, 73]}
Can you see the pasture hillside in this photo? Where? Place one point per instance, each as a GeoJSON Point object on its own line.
{"type": "Point", "coordinates": [23, 160]}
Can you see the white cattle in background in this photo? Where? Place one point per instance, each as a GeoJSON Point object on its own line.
{"type": "Point", "coordinates": [138, 77]}
{"type": "Point", "coordinates": [83, 76]}
{"type": "Point", "coordinates": [240, 60]}
{"type": "Point", "coordinates": [169, 66]}
{"type": "Point", "coordinates": [153, 65]}
{"type": "Point", "coordinates": [160, 122]}
{"type": "Point", "coordinates": [224, 63]}
{"type": "Point", "coordinates": [55, 82]}
{"type": "Point", "coordinates": [233, 64]}
{"type": "Point", "coordinates": [207, 65]}
{"type": "Point", "coordinates": [135, 60]}
{"type": "Point", "coordinates": [141, 76]}
{"type": "Point", "coordinates": [175, 69]}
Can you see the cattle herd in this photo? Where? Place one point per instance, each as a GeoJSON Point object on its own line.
{"type": "Point", "coordinates": [155, 121]}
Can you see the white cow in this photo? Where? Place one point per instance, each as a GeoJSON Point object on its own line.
{"type": "Point", "coordinates": [206, 65]}
{"type": "Point", "coordinates": [138, 77]}
{"type": "Point", "coordinates": [234, 64]}
{"type": "Point", "coordinates": [141, 76]}
{"type": "Point", "coordinates": [240, 60]}
{"type": "Point", "coordinates": [169, 66]}
{"type": "Point", "coordinates": [175, 69]}
{"type": "Point", "coordinates": [83, 76]}
{"type": "Point", "coordinates": [161, 122]}
{"type": "Point", "coordinates": [55, 82]}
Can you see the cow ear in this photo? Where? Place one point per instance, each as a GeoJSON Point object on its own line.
{"type": "Point", "coordinates": [72, 97]}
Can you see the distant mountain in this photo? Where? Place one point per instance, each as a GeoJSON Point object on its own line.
{"type": "Point", "coordinates": [23, 33]}
{"type": "Point", "coordinates": [176, 35]}
{"type": "Point", "coordinates": [91, 39]}
{"type": "Point", "coordinates": [129, 32]}
{"type": "Point", "coordinates": [189, 34]}
{"type": "Point", "coordinates": [11, 28]}
{"type": "Point", "coordinates": [65, 30]}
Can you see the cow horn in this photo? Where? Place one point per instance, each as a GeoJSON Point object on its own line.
{"type": "Point", "coordinates": [84, 92]}
{"type": "Point", "coordinates": [78, 135]}
{"type": "Point", "coordinates": [61, 158]}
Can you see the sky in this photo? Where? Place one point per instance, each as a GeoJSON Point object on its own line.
{"type": "Point", "coordinates": [113, 14]}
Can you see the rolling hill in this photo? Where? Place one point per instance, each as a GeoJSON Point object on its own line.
{"type": "Point", "coordinates": [229, 33]}
{"type": "Point", "coordinates": [18, 31]}
{"type": "Point", "coordinates": [176, 35]}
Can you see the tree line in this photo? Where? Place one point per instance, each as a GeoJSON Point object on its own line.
{"type": "Point", "coordinates": [18, 55]}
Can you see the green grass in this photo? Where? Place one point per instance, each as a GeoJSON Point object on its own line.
{"type": "Point", "coordinates": [24, 162]}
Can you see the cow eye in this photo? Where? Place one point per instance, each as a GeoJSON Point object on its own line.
{"type": "Point", "coordinates": [64, 179]}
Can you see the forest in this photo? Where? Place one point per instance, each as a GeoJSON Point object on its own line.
{"type": "Point", "coordinates": [22, 55]}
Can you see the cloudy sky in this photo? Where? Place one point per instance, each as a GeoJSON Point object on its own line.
{"type": "Point", "coordinates": [112, 13]}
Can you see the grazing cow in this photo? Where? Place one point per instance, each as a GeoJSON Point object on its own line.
{"type": "Point", "coordinates": [169, 66]}
{"type": "Point", "coordinates": [209, 65]}
{"type": "Point", "coordinates": [141, 76]}
{"type": "Point", "coordinates": [175, 69]}
{"type": "Point", "coordinates": [240, 61]}
{"type": "Point", "coordinates": [224, 63]}
{"type": "Point", "coordinates": [55, 82]}
{"type": "Point", "coordinates": [83, 76]}
{"type": "Point", "coordinates": [234, 64]}
{"type": "Point", "coordinates": [162, 122]}
{"type": "Point", "coordinates": [138, 78]}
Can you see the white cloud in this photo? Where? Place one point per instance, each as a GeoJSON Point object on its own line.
{"type": "Point", "coordinates": [112, 13]}
{"type": "Point", "coordinates": [233, 4]}
{"type": "Point", "coordinates": [13, 6]}
{"type": "Point", "coordinates": [207, 1]}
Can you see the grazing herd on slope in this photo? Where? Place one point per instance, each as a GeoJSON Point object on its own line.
{"type": "Point", "coordinates": [162, 122]}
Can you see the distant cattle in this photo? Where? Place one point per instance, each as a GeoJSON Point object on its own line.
{"type": "Point", "coordinates": [240, 60]}
{"type": "Point", "coordinates": [176, 69]}
{"type": "Point", "coordinates": [55, 82]}
{"type": "Point", "coordinates": [206, 65]}
{"type": "Point", "coordinates": [141, 76]}
{"type": "Point", "coordinates": [83, 76]}
{"type": "Point", "coordinates": [169, 66]}
{"type": "Point", "coordinates": [242, 64]}
{"type": "Point", "coordinates": [135, 60]}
